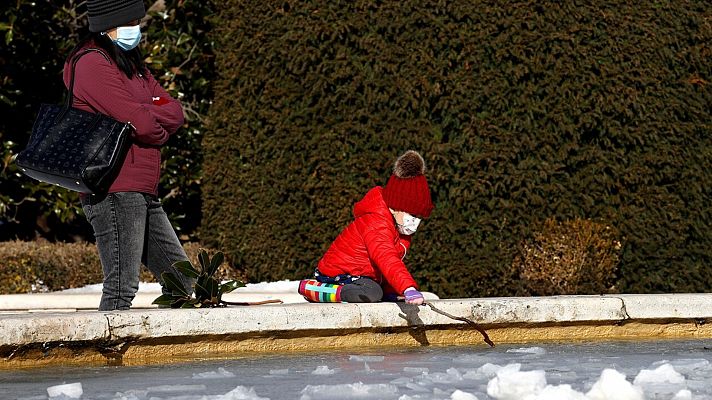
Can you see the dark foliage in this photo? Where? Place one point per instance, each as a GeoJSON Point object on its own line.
{"type": "Point", "coordinates": [37, 36]}
{"type": "Point", "coordinates": [523, 110]}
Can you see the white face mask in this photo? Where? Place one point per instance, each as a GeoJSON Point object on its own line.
{"type": "Point", "coordinates": [128, 37]}
{"type": "Point", "coordinates": [409, 225]}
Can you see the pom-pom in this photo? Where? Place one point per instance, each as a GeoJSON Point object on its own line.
{"type": "Point", "coordinates": [409, 165]}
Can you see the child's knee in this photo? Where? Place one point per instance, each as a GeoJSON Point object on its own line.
{"type": "Point", "coordinates": [363, 290]}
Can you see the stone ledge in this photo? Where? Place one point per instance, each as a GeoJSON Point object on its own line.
{"type": "Point", "coordinates": [270, 324]}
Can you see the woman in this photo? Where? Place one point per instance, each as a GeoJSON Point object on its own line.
{"type": "Point", "coordinates": [129, 223]}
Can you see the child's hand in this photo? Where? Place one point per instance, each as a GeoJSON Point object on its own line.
{"type": "Point", "coordinates": [412, 296]}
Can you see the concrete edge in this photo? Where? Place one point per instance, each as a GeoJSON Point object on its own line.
{"type": "Point", "coordinates": [272, 323]}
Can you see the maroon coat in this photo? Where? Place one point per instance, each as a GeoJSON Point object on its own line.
{"type": "Point", "coordinates": [371, 246]}
{"type": "Point", "coordinates": [100, 85]}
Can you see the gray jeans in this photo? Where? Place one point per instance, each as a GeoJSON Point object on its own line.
{"type": "Point", "coordinates": [362, 290]}
{"type": "Point", "coordinates": [131, 228]}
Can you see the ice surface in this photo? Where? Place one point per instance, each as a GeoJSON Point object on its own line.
{"type": "Point", "coordinates": [349, 391]}
{"type": "Point", "coordinates": [428, 373]}
{"type": "Point", "coordinates": [220, 373]}
{"type": "Point", "coordinates": [367, 358]}
{"type": "Point", "coordinates": [513, 384]}
{"type": "Point", "coordinates": [176, 388]}
{"type": "Point", "coordinates": [68, 390]}
{"type": "Point", "coordinates": [284, 371]}
{"type": "Point", "coordinates": [450, 376]}
{"type": "Point", "coordinates": [416, 370]}
{"type": "Point", "coordinates": [323, 370]}
{"type": "Point", "coordinates": [402, 381]}
{"type": "Point", "coordinates": [528, 350]}
{"type": "Point", "coordinates": [612, 385]}
{"type": "Point", "coordinates": [662, 374]}
{"type": "Point", "coordinates": [460, 395]}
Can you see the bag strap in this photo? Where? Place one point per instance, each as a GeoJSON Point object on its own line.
{"type": "Point", "coordinates": [70, 95]}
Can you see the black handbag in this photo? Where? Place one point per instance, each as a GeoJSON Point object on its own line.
{"type": "Point", "coordinates": [75, 149]}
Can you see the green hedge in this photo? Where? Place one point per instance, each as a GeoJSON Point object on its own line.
{"type": "Point", "coordinates": [41, 266]}
{"type": "Point", "coordinates": [523, 110]}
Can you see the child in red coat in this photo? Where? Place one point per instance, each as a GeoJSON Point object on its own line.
{"type": "Point", "coordinates": [366, 259]}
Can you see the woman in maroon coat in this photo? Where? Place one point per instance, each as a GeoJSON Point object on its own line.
{"type": "Point", "coordinates": [366, 259]}
{"type": "Point", "coordinates": [129, 223]}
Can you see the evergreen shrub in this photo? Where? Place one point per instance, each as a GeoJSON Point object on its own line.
{"type": "Point", "coordinates": [570, 257]}
{"type": "Point", "coordinates": [524, 111]}
{"type": "Point", "coordinates": [41, 266]}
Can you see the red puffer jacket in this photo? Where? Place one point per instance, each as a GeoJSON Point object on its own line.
{"type": "Point", "coordinates": [371, 246]}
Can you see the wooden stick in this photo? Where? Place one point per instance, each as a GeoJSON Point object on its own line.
{"type": "Point", "coordinates": [468, 321]}
{"type": "Point", "coordinates": [252, 303]}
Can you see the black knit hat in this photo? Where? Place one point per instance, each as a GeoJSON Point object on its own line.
{"type": "Point", "coordinates": [107, 14]}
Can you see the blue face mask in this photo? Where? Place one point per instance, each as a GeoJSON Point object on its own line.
{"type": "Point", "coordinates": [128, 37]}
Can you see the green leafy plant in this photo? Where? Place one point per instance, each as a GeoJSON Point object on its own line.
{"type": "Point", "coordinates": [208, 290]}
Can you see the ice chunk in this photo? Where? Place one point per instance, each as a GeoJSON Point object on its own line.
{"type": "Point", "coordinates": [70, 390]}
{"type": "Point", "coordinates": [612, 385]}
{"type": "Point", "coordinates": [357, 390]}
{"type": "Point", "coordinates": [460, 395]}
{"type": "Point", "coordinates": [401, 381]}
{"type": "Point", "coordinates": [323, 370]}
{"type": "Point", "coordinates": [489, 370]}
{"type": "Point", "coordinates": [662, 374]}
{"type": "Point", "coordinates": [513, 384]}
{"type": "Point", "coordinates": [220, 373]}
{"type": "Point", "coordinates": [683, 394]}
{"type": "Point", "coordinates": [452, 375]}
{"type": "Point", "coordinates": [177, 388]}
{"type": "Point", "coordinates": [416, 370]}
{"type": "Point", "coordinates": [366, 358]}
{"type": "Point", "coordinates": [416, 387]}
{"type": "Point", "coordinates": [284, 371]}
{"type": "Point", "coordinates": [687, 365]}
{"type": "Point", "coordinates": [528, 350]}
{"type": "Point", "coordinates": [558, 392]}
{"type": "Point", "coordinates": [239, 393]}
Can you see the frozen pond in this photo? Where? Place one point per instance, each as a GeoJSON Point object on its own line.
{"type": "Point", "coordinates": [610, 370]}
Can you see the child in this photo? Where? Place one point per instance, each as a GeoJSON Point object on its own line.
{"type": "Point", "coordinates": [366, 259]}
